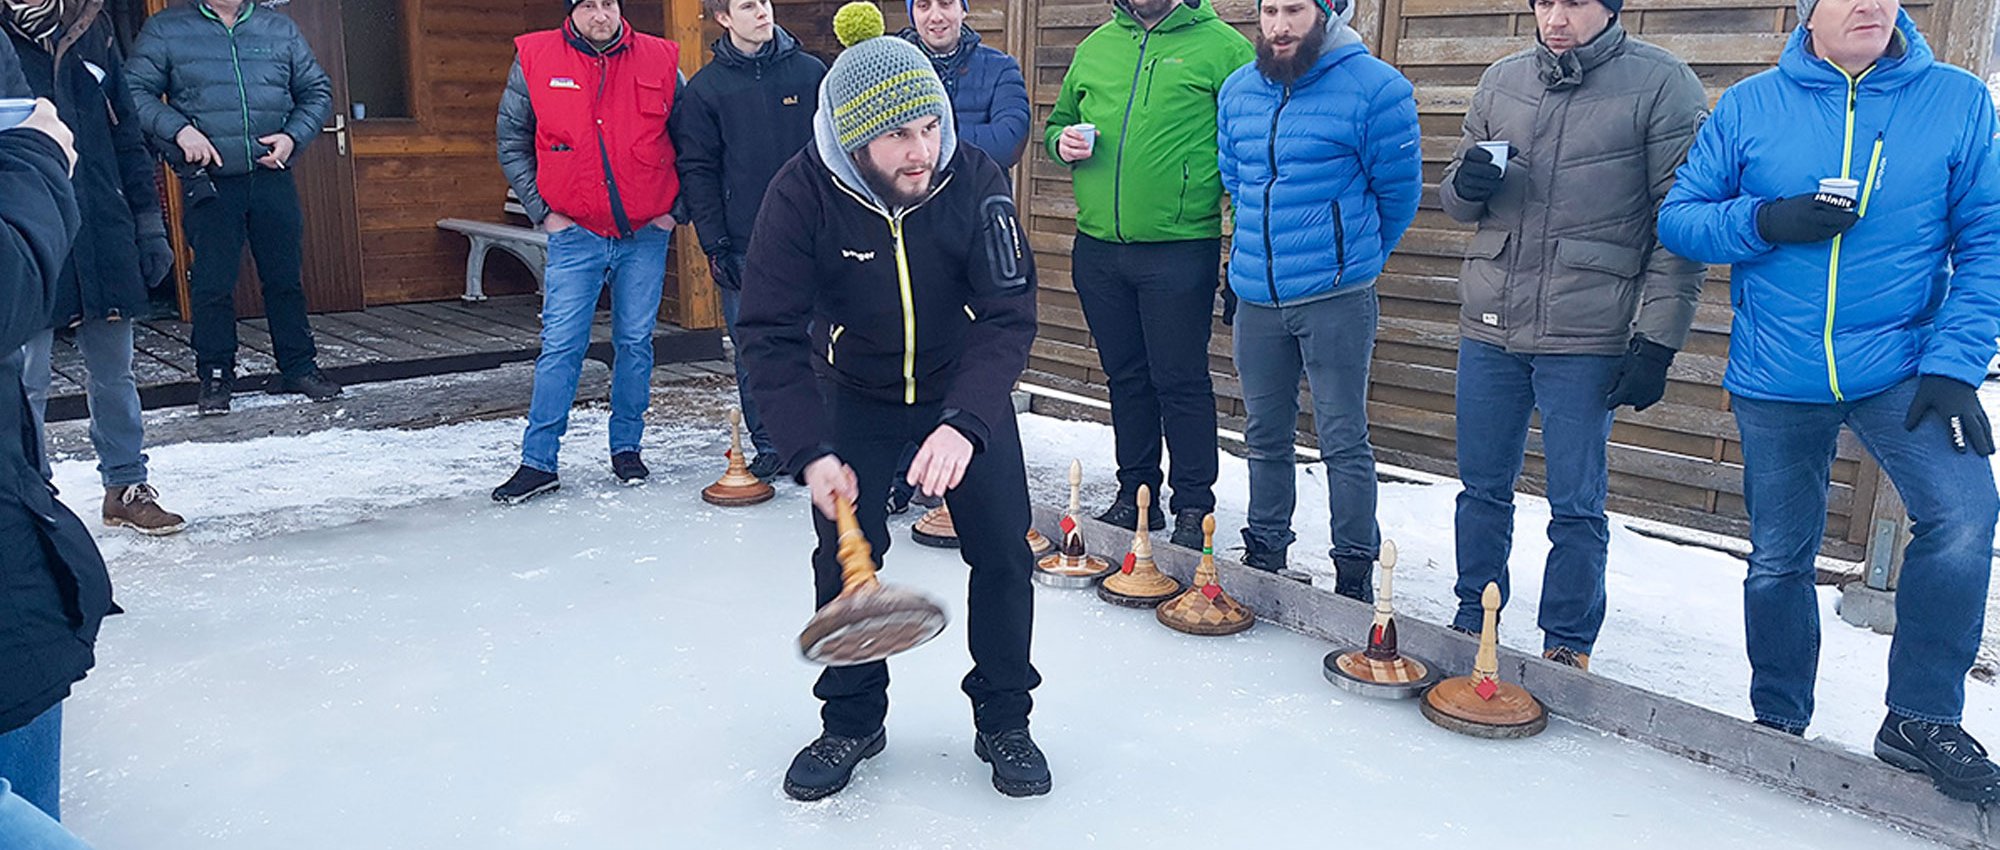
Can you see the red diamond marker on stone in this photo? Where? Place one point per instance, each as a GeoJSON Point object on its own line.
{"type": "Point", "coordinates": [1211, 591]}
{"type": "Point", "coordinates": [1130, 561]}
{"type": "Point", "coordinates": [1486, 688]}
{"type": "Point", "coordinates": [1068, 525]}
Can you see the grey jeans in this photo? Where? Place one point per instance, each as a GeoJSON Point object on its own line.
{"type": "Point", "coordinates": [1329, 342]}
{"type": "Point", "coordinates": [115, 427]}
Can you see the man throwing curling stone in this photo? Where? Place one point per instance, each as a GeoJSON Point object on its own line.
{"type": "Point", "coordinates": [904, 247]}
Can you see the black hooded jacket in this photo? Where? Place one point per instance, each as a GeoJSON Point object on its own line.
{"type": "Point", "coordinates": [931, 305]}
{"type": "Point", "coordinates": [737, 122]}
{"type": "Point", "coordinates": [114, 174]}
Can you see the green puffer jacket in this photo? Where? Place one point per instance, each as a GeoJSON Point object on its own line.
{"type": "Point", "coordinates": [1152, 176]}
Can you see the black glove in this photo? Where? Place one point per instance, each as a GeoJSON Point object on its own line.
{"type": "Point", "coordinates": [1804, 219]}
{"type": "Point", "coordinates": [1228, 305]}
{"type": "Point", "coordinates": [1642, 378]}
{"type": "Point", "coordinates": [156, 258]}
{"type": "Point", "coordinates": [1956, 403]}
{"type": "Point", "coordinates": [723, 267]}
{"type": "Point", "coordinates": [1478, 178]}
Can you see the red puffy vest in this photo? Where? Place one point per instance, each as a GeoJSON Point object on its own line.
{"type": "Point", "coordinates": [602, 155]}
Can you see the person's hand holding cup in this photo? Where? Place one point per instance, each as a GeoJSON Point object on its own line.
{"type": "Point", "coordinates": [1077, 142]}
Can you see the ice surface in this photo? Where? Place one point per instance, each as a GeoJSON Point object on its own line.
{"type": "Point", "coordinates": [352, 648]}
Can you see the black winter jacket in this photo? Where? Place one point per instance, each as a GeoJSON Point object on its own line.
{"type": "Point", "coordinates": [235, 86]}
{"type": "Point", "coordinates": [739, 119]}
{"type": "Point", "coordinates": [114, 176]}
{"type": "Point", "coordinates": [955, 329]}
{"type": "Point", "coordinates": [54, 590]}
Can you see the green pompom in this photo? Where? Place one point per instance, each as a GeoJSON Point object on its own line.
{"type": "Point", "coordinates": [857, 22]}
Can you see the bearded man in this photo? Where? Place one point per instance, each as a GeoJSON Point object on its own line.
{"type": "Point", "coordinates": [904, 247]}
{"type": "Point", "coordinates": [1319, 150]}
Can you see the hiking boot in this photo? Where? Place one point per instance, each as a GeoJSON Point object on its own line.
{"type": "Point", "coordinates": [1187, 528]}
{"type": "Point", "coordinates": [215, 386]}
{"type": "Point", "coordinates": [527, 483]}
{"type": "Point", "coordinates": [899, 498]}
{"type": "Point", "coordinates": [1352, 579]}
{"type": "Point", "coordinates": [825, 765]}
{"type": "Point", "coordinates": [1258, 556]}
{"type": "Point", "coordinates": [627, 468]}
{"type": "Point", "coordinates": [1570, 657]}
{"type": "Point", "coordinates": [136, 507]}
{"type": "Point", "coordinates": [1019, 769]}
{"type": "Point", "coordinates": [314, 385]}
{"type": "Point", "coordinates": [1125, 515]}
{"type": "Point", "coordinates": [1956, 763]}
{"type": "Point", "coordinates": [767, 466]}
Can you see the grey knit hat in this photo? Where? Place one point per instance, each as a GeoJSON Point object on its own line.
{"type": "Point", "coordinates": [878, 84]}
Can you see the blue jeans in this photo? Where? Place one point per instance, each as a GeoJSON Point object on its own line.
{"type": "Point", "coordinates": [116, 429]}
{"type": "Point", "coordinates": [24, 827]}
{"type": "Point", "coordinates": [1941, 600]}
{"type": "Point", "coordinates": [31, 761]}
{"type": "Point", "coordinates": [751, 421]}
{"type": "Point", "coordinates": [579, 264]}
{"type": "Point", "coordinates": [1329, 342]}
{"type": "Point", "coordinates": [1497, 391]}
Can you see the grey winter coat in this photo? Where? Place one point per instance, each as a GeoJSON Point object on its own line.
{"type": "Point", "coordinates": [235, 85]}
{"type": "Point", "coordinates": [1566, 259]}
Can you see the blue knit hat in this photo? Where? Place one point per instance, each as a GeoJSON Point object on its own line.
{"type": "Point", "coordinates": [1618, 6]}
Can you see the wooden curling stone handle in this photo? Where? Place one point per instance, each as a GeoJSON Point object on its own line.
{"type": "Point", "coordinates": [857, 561]}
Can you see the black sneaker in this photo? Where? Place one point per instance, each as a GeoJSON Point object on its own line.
{"type": "Point", "coordinates": [825, 765]}
{"type": "Point", "coordinates": [899, 498]}
{"type": "Point", "coordinates": [527, 483]}
{"type": "Point", "coordinates": [1352, 579]}
{"type": "Point", "coordinates": [767, 466]}
{"type": "Point", "coordinates": [1125, 515]}
{"type": "Point", "coordinates": [1956, 763]}
{"type": "Point", "coordinates": [1019, 769]}
{"type": "Point", "coordinates": [628, 468]}
{"type": "Point", "coordinates": [215, 386]}
{"type": "Point", "coordinates": [1187, 528]}
{"type": "Point", "coordinates": [313, 385]}
{"type": "Point", "coordinates": [1258, 556]}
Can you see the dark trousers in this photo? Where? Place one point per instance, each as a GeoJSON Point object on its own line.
{"type": "Point", "coordinates": [1149, 307]}
{"type": "Point", "coordinates": [990, 510]}
{"type": "Point", "coordinates": [263, 207]}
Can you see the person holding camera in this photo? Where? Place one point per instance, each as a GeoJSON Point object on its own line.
{"type": "Point", "coordinates": [243, 95]}
{"type": "Point", "coordinates": [103, 286]}
{"type": "Point", "coordinates": [56, 589]}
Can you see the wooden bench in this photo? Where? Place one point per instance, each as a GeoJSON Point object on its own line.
{"type": "Point", "coordinates": [530, 244]}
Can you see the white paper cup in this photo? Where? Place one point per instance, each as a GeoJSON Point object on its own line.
{"type": "Point", "coordinates": [1849, 189]}
{"type": "Point", "coordinates": [1499, 152]}
{"type": "Point", "coordinates": [1089, 133]}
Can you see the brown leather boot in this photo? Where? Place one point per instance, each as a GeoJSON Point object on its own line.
{"type": "Point", "coordinates": [1571, 657]}
{"type": "Point", "coordinates": [137, 507]}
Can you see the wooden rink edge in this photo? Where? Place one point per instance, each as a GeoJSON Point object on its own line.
{"type": "Point", "coordinates": [1812, 770]}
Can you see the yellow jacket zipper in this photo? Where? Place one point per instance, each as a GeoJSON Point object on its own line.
{"type": "Point", "coordinates": [1833, 258]}
{"type": "Point", "coordinates": [902, 281]}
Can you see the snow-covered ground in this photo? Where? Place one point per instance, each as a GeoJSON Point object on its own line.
{"type": "Point", "coordinates": [352, 648]}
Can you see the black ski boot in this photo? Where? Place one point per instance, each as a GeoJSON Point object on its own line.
{"type": "Point", "coordinates": [1019, 769]}
{"type": "Point", "coordinates": [1956, 763]}
{"type": "Point", "coordinates": [629, 469]}
{"type": "Point", "coordinates": [1353, 579]}
{"type": "Point", "coordinates": [1124, 513]}
{"type": "Point", "coordinates": [527, 483]}
{"type": "Point", "coordinates": [827, 764]}
{"type": "Point", "coordinates": [216, 384]}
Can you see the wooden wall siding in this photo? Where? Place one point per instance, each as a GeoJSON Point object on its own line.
{"type": "Point", "coordinates": [1678, 461]}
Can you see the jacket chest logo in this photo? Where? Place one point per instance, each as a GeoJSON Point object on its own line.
{"type": "Point", "coordinates": [564, 83]}
{"type": "Point", "coordinates": [791, 101]}
{"type": "Point", "coordinates": [857, 256]}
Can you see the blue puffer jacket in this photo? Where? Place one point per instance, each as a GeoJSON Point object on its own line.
{"type": "Point", "coordinates": [1914, 288]}
{"type": "Point", "coordinates": [989, 97]}
{"type": "Point", "coordinates": [1324, 174]}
